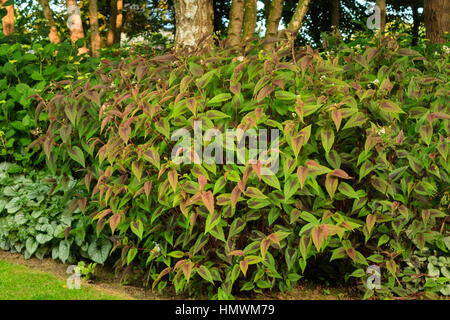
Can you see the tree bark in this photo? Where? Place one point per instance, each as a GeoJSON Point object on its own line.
{"type": "Point", "coordinates": [8, 20]}
{"type": "Point", "coordinates": [75, 25]}
{"type": "Point", "coordinates": [416, 23]}
{"type": "Point", "coordinates": [119, 22]}
{"type": "Point", "coordinates": [235, 25]}
{"type": "Point", "coordinates": [194, 22]}
{"type": "Point", "coordinates": [382, 5]}
{"type": "Point", "coordinates": [335, 13]}
{"type": "Point", "coordinates": [273, 21]}
{"type": "Point", "coordinates": [110, 38]}
{"type": "Point", "coordinates": [95, 33]}
{"type": "Point", "coordinates": [48, 14]}
{"type": "Point", "coordinates": [249, 20]}
{"type": "Point", "coordinates": [297, 19]}
{"type": "Point", "coordinates": [437, 19]}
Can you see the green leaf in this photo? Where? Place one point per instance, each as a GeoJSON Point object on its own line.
{"type": "Point", "coordinates": [64, 250]}
{"type": "Point", "coordinates": [76, 154]}
{"type": "Point", "coordinates": [272, 181]}
{"type": "Point", "coordinates": [221, 97]}
{"type": "Point", "coordinates": [205, 273]}
{"type": "Point", "coordinates": [31, 245]}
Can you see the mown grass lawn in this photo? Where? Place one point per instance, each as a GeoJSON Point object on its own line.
{"type": "Point", "coordinates": [21, 283]}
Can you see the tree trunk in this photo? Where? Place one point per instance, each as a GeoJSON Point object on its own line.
{"type": "Point", "coordinates": [382, 5]}
{"type": "Point", "coordinates": [48, 14]}
{"type": "Point", "coordinates": [75, 24]}
{"type": "Point", "coordinates": [335, 13]}
{"type": "Point", "coordinates": [437, 20]}
{"type": "Point", "coordinates": [416, 23]}
{"type": "Point", "coordinates": [112, 23]}
{"type": "Point", "coordinates": [266, 9]}
{"type": "Point", "coordinates": [273, 21]}
{"type": "Point", "coordinates": [297, 19]}
{"type": "Point", "coordinates": [194, 22]}
{"type": "Point", "coordinates": [95, 34]}
{"type": "Point", "coordinates": [235, 25]}
{"type": "Point", "coordinates": [8, 20]}
{"type": "Point", "coordinates": [119, 22]}
{"type": "Point", "coordinates": [249, 20]}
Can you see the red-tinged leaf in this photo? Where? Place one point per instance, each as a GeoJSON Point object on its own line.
{"type": "Point", "coordinates": [426, 132]}
{"type": "Point", "coordinates": [331, 184]}
{"type": "Point", "coordinates": [257, 168]}
{"type": "Point", "coordinates": [202, 181]}
{"type": "Point", "coordinates": [104, 123]}
{"type": "Point", "coordinates": [179, 264]}
{"type": "Point", "coordinates": [255, 193]}
{"type": "Point", "coordinates": [235, 194]}
{"type": "Point", "coordinates": [87, 180]}
{"type": "Point", "coordinates": [244, 267]}
{"type": "Point", "coordinates": [274, 238]}
{"type": "Point", "coordinates": [327, 137]}
{"type": "Point", "coordinates": [114, 221]}
{"type": "Point", "coordinates": [162, 274]}
{"type": "Point", "coordinates": [370, 221]}
{"type": "Point", "coordinates": [316, 168]}
{"type": "Point", "coordinates": [205, 273]}
{"type": "Point", "coordinates": [426, 216]}
{"type": "Point", "coordinates": [152, 156]}
{"type": "Point", "coordinates": [302, 174]}
{"type": "Point", "coordinates": [390, 107]}
{"type": "Point", "coordinates": [318, 237]}
{"type": "Point", "coordinates": [65, 133]}
{"type": "Point", "coordinates": [404, 211]}
{"type": "Point", "coordinates": [48, 147]}
{"type": "Point", "coordinates": [351, 252]}
{"type": "Point", "coordinates": [371, 142]}
{"type": "Point", "coordinates": [237, 253]}
{"type": "Point", "coordinates": [125, 131]}
{"type": "Point", "coordinates": [264, 246]}
{"type": "Point", "coordinates": [264, 92]}
{"type": "Point", "coordinates": [147, 188]}
{"type": "Point", "coordinates": [82, 204]}
{"type": "Point", "coordinates": [236, 88]}
{"type": "Point", "coordinates": [173, 179]}
{"type": "Point", "coordinates": [336, 115]}
{"type": "Point", "coordinates": [137, 168]}
{"type": "Point", "coordinates": [400, 137]}
{"type": "Point", "coordinates": [187, 270]}
{"type": "Point", "coordinates": [340, 174]}
{"type": "Point", "coordinates": [208, 200]}
{"type": "Point", "coordinates": [76, 154]}
{"type": "Point", "coordinates": [392, 267]}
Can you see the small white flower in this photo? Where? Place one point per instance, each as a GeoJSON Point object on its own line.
{"type": "Point", "coordinates": [156, 249]}
{"type": "Point", "coordinates": [376, 81]}
{"type": "Point", "coordinates": [31, 51]}
{"type": "Point", "coordinates": [358, 46]}
{"type": "Point", "coordinates": [240, 58]}
{"type": "Point", "coordinates": [322, 78]}
{"type": "Point", "coordinates": [446, 49]}
{"type": "Point", "coordinates": [294, 114]}
{"type": "Point", "coordinates": [381, 131]}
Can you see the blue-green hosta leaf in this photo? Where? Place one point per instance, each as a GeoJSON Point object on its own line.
{"type": "Point", "coordinates": [64, 250]}
{"type": "Point", "coordinates": [31, 245]}
{"type": "Point", "coordinates": [99, 250]}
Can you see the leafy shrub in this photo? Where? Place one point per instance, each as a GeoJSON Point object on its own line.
{"type": "Point", "coordinates": [39, 216]}
{"type": "Point", "coordinates": [363, 162]}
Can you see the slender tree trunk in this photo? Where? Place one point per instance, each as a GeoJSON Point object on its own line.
{"type": "Point", "coordinates": [75, 25]}
{"type": "Point", "coordinates": [266, 9]}
{"type": "Point", "coordinates": [8, 20]}
{"type": "Point", "coordinates": [437, 20]}
{"type": "Point", "coordinates": [119, 21]}
{"type": "Point", "coordinates": [249, 20]}
{"type": "Point", "coordinates": [194, 22]}
{"type": "Point", "coordinates": [95, 33]}
{"type": "Point", "coordinates": [112, 23]}
{"type": "Point", "coordinates": [382, 5]}
{"type": "Point", "coordinates": [273, 21]}
{"type": "Point", "coordinates": [48, 14]}
{"type": "Point", "coordinates": [416, 23]}
{"type": "Point", "coordinates": [235, 25]}
{"type": "Point", "coordinates": [335, 13]}
{"type": "Point", "coordinates": [297, 19]}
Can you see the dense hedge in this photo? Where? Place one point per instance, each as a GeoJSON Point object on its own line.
{"type": "Point", "coordinates": [363, 151]}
